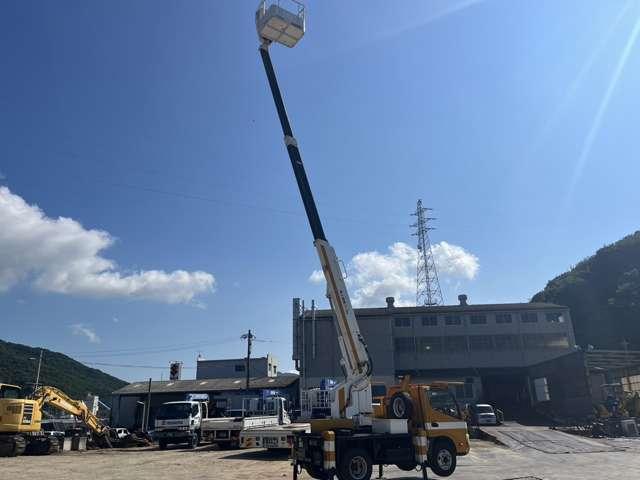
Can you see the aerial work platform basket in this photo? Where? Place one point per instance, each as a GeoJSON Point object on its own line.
{"type": "Point", "coordinates": [280, 21]}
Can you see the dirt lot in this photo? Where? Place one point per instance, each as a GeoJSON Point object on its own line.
{"type": "Point", "coordinates": [486, 461]}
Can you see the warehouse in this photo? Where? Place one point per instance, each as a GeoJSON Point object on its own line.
{"type": "Point", "coordinates": [128, 403]}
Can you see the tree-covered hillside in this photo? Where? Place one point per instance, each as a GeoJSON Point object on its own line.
{"type": "Point", "coordinates": [603, 292]}
{"type": "Point", "coordinates": [57, 370]}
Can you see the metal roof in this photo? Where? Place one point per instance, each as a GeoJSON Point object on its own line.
{"type": "Point", "coordinates": [612, 359]}
{"type": "Point", "coordinates": [493, 307]}
{"type": "Point", "coordinates": [208, 385]}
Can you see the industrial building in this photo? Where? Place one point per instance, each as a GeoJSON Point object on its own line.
{"type": "Point", "coordinates": [488, 348]}
{"type": "Point", "coordinates": [224, 384]}
{"type": "Point", "coordinates": [237, 367]}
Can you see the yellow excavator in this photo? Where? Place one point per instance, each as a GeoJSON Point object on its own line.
{"type": "Point", "coordinates": [21, 420]}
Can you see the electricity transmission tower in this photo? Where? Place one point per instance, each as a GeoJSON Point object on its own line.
{"type": "Point", "coordinates": [428, 291]}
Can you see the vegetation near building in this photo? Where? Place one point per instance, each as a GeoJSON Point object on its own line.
{"type": "Point", "coordinates": [603, 293]}
{"type": "Point", "coordinates": [58, 370]}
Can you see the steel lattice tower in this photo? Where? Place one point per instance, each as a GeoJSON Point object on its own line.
{"type": "Point", "coordinates": [428, 291]}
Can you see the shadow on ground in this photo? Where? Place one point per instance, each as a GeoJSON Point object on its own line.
{"type": "Point", "coordinates": [264, 455]}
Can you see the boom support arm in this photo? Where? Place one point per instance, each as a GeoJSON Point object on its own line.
{"type": "Point", "coordinates": [60, 400]}
{"type": "Point", "coordinates": [355, 361]}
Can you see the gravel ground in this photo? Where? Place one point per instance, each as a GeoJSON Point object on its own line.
{"type": "Point", "coordinates": [486, 461]}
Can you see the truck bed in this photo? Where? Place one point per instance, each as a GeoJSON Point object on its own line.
{"type": "Point", "coordinates": [274, 436]}
{"type": "Point", "coordinates": [238, 423]}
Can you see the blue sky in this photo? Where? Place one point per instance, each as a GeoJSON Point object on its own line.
{"type": "Point", "coordinates": [151, 122]}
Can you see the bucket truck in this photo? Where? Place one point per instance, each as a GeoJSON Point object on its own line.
{"type": "Point", "coordinates": [415, 425]}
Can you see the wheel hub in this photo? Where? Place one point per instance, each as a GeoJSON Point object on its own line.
{"type": "Point", "coordinates": [358, 467]}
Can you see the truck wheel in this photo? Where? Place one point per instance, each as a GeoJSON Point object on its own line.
{"type": "Point", "coordinates": [400, 406]}
{"type": "Point", "coordinates": [356, 464]}
{"type": "Point", "coordinates": [162, 443]}
{"type": "Point", "coordinates": [194, 440]}
{"type": "Point", "coordinates": [443, 459]}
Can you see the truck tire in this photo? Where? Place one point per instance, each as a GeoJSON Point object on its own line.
{"type": "Point", "coordinates": [443, 459]}
{"type": "Point", "coordinates": [355, 464]}
{"type": "Point", "coordinates": [400, 406]}
{"type": "Point", "coordinates": [194, 440]}
{"type": "Point", "coordinates": [162, 443]}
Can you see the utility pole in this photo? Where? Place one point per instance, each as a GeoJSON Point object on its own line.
{"type": "Point", "coordinates": [249, 338]}
{"type": "Point", "coordinates": [35, 387]}
{"type": "Point", "coordinates": [428, 291]}
{"type": "Point", "coordinates": [145, 420]}
{"type": "Point", "coordinates": [625, 345]}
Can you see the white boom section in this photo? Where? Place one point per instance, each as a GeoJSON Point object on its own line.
{"type": "Point", "coordinates": [353, 396]}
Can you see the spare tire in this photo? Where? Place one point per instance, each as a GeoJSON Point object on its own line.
{"type": "Point", "coordinates": [400, 406]}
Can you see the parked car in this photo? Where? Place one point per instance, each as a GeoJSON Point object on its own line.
{"type": "Point", "coordinates": [483, 414]}
{"type": "Point", "coordinates": [122, 433]}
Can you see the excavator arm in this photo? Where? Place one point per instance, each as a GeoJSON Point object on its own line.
{"type": "Point", "coordinates": [61, 401]}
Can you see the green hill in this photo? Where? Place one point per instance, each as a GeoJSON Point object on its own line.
{"type": "Point", "coordinates": [603, 292]}
{"type": "Point", "coordinates": [57, 370]}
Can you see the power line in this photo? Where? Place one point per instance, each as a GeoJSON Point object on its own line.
{"type": "Point", "coordinates": [201, 198]}
{"type": "Point", "coordinates": [158, 349]}
{"type": "Point", "coordinates": [101, 364]}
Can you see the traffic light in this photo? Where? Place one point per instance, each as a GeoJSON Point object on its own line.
{"type": "Point", "coordinates": [175, 369]}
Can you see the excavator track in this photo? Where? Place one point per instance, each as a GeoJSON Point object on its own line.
{"type": "Point", "coordinates": [12, 445]}
{"type": "Point", "coordinates": [41, 445]}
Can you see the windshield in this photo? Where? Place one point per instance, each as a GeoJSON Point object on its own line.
{"type": "Point", "coordinates": [484, 409]}
{"type": "Point", "coordinates": [9, 392]}
{"type": "Point", "coordinates": [175, 410]}
{"type": "Point", "coordinates": [444, 402]}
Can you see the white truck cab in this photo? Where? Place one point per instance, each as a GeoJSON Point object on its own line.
{"type": "Point", "coordinates": [180, 422]}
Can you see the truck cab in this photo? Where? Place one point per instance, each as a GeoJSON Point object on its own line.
{"type": "Point", "coordinates": [180, 422]}
{"type": "Point", "coordinates": [434, 410]}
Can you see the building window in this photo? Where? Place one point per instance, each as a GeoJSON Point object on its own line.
{"type": "Point", "coordinates": [452, 320]}
{"type": "Point", "coordinates": [480, 342]}
{"type": "Point", "coordinates": [459, 391]}
{"type": "Point", "coordinates": [478, 319]}
{"type": "Point", "coordinates": [429, 344]}
{"type": "Point", "coordinates": [529, 317]}
{"type": "Point", "coordinates": [430, 321]}
{"type": "Point", "coordinates": [404, 345]}
{"type": "Point", "coordinates": [506, 342]}
{"type": "Point", "coordinates": [546, 340]}
{"type": "Point", "coordinates": [556, 340]}
{"type": "Point", "coordinates": [503, 318]}
{"type": "Point", "coordinates": [239, 368]}
{"type": "Point", "coordinates": [455, 343]}
{"type": "Point", "coordinates": [402, 322]}
{"type": "Point", "coordinates": [554, 317]}
{"type": "Point", "coordinates": [468, 388]}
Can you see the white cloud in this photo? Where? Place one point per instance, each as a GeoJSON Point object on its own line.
{"type": "Point", "coordinates": [81, 329]}
{"type": "Point", "coordinates": [373, 276]}
{"type": "Point", "coordinates": [316, 276]}
{"type": "Point", "coordinates": [455, 262]}
{"type": "Point", "coordinates": [61, 256]}
{"type": "Point", "coordinates": [115, 319]}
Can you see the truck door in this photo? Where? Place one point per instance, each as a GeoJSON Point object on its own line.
{"type": "Point", "coordinates": [444, 418]}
